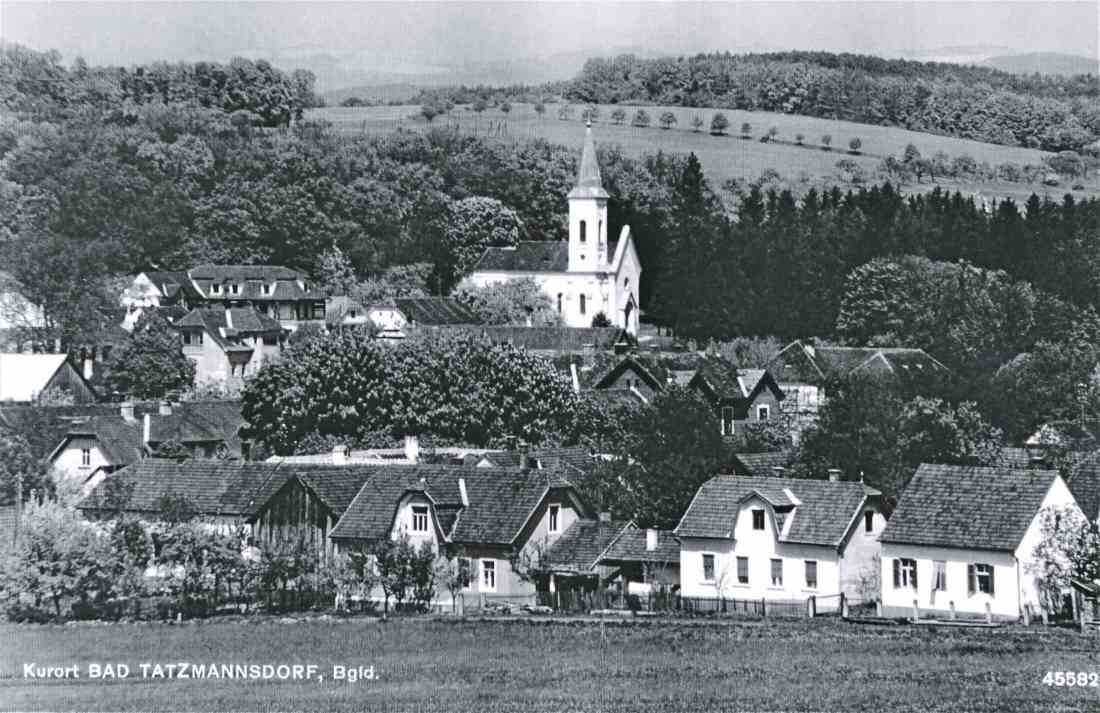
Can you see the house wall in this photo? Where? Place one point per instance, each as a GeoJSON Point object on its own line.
{"type": "Point", "coordinates": [295, 513]}
{"type": "Point", "coordinates": [67, 463]}
{"type": "Point", "coordinates": [631, 378]}
{"type": "Point", "coordinates": [766, 397]}
{"type": "Point", "coordinates": [68, 379]}
{"type": "Point", "coordinates": [1059, 495]}
{"type": "Point", "coordinates": [211, 363]}
{"type": "Point", "coordinates": [760, 546]}
{"type": "Point", "coordinates": [859, 561]}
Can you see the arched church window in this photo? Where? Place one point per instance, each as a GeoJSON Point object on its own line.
{"type": "Point", "coordinates": [583, 300]}
{"type": "Point", "coordinates": [584, 230]}
{"type": "Point", "coordinates": [559, 302]}
{"type": "Point", "coordinates": [599, 230]}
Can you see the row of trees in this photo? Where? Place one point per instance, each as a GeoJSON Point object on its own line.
{"type": "Point", "coordinates": [1051, 113]}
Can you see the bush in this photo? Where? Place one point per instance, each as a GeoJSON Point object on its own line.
{"type": "Point", "coordinates": [600, 320]}
{"type": "Point", "coordinates": [746, 130]}
{"type": "Point", "coordinates": [854, 145]}
{"type": "Point", "coordinates": [641, 118]}
{"type": "Point", "coordinates": [827, 142]}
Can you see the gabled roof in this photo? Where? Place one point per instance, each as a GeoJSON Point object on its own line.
{"type": "Point", "coordinates": [23, 377]}
{"type": "Point", "coordinates": [822, 510]}
{"type": "Point", "coordinates": [172, 283]}
{"type": "Point", "coordinates": [213, 487]}
{"type": "Point", "coordinates": [225, 325]}
{"type": "Point", "coordinates": [119, 440]}
{"type": "Point", "coordinates": [551, 339]}
{"type": "Point", "coordinates": [435, 311]}
{"type": "Point", "coordinates": [630, 546]}
{"type": "Point", "coordinates": [266, 273]}
{"type": "Point", "coordinates": [807, 363]}
{"type": "Point", "coordinates": [761, 465]}
{"type": "Point", "coordinates": [589, 184]}
{"type": "Point", "coordinates": [526, 256]}
{"type": "Point", "coordinates": [500, 501]}
{"type": "Point", "coordinates": [578, 459]}
{"type": "Point", "coordinates": [968, 506]}
{"type": "Point", "coordinates": [580, 547]}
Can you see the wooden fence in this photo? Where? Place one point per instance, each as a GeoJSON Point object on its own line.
{"type": "Point", "coordinates": [581, 602]}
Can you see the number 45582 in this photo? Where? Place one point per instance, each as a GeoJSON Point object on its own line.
{"type": "Point", "coordinates": [1079, 679]}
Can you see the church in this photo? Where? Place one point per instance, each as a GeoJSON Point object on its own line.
{"type": "Point", "coordinates": [587, 276]}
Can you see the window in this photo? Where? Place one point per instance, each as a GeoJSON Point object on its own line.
{"type": "Point", "coordinates": [727, 420]}
{"type": "Point", "coordinates": [267, 289]}
{"type": "Point", "coordinates": [584, 299]}
{"type": "Point", "coordinates": [215, 289]}
{"type": "Point", "coordinates": [742, 570]}
{"type": "Point", "coordinates": [555, 510]}
{"type": "Point", "coordinates": [85, 456]}
{"type": "Point", "coordinates": [559, 302]}
{"type": "Point", "coordinates": [584, 231]}
{"type": "Point", "coordinates": [489, 575]}
{"type": "Point", "coordinates": [811, 574]}
{"type": "Point", "coordinates": [466, 572]}
{"type": "Point", "coordinates": [192, 338]}
{"type": "Point", "coordinates": [763, 413]}
{"type": "Point", "coordinates": [981, 578]}
{"type": "Point", "coordinates": [869, 521]}
{"type": "Point", "coordinates": [599, 231]}
{"type": "Point", "coordinates": [777, 573]}
{"type": "Point", "coordinates": [271, 340]}
{"type": "Point", "coordinates": [905, 573]}
{"type": "Point", "coordinates": [234, 289]}
{"type": "Point", "coordinates": [939, 576]}
{"type": "Point", "coordinates": [420, 518]}
{"type": "Point", "coordinates": [319, 310]}
{"type": "Point", "coordinates": [708, 568]}
{"type": "Point", "coordinates": [757, 519]}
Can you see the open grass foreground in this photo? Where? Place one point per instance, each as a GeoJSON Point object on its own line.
{"type": "Point", "coordinates": [508, 666]}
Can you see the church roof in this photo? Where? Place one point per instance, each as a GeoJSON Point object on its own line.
{"type": "Point", "coordinates": [527, 256]}
{"type": "Point", "coordinates": [589, 184]}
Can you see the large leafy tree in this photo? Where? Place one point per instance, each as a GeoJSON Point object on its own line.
{"type": "Point", "coordinates": [474, 224]}
{"type": "Point", "coordinates": [517, 302]}
{"type": "Point", "coordinates": [151, 364]}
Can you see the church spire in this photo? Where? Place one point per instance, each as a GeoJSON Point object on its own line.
{"type": "Point", "coordinates": [589, 183]}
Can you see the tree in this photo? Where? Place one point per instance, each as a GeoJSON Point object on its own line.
{"type": "Point", "coordinates": [455, 574]}
{"type": "Point", "coordinates": [540, 109]}
{"type": "Point", "coordinates": [600, 320]}
{"type": "Point", "coordinates": [618, 115]}
{"type": "Point", "coordinates": [565, 111]}
{"type": "Point", "coordinates": [20, 470]}
{"type": "Point", "coordinates": [1068, 548]}
{"type": "Point", "coordinates": [826, 142]}
{"type": "Point", "coordinates": [641, 118]}
{"type": "Point", "coordinates": [474, 224]}
{"type": "Point", "coordinates": [505, 107]}
{"type": "Point", "coordinates": [151, 363]}
{"type": "Point", "coordinates": [854, 145]}
{"type": "Point", "coordinates": [772, 133]}
{"type": "Point", "coordinates": [429, 112]}
{"type": "Point", "coordinates": [799, 138]}
{"type": "Point", "coordinates": [668, 120]}
{"type": "Point", "coordinates": [696, 123]}
{"type": "Point", "coordinates": [1067, 163]}
{"type": "Point", "coordinates": [335, 272]}
{"type": "Point", "coordinates": [746, 130]}
{"type": "Point", "coordinates": [514, 302]}
{"type": "Point", "coordinates": [590, 113]}
{"type": "Point", "coordinates": [395, 561]}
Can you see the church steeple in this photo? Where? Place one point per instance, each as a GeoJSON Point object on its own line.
{"type": "Point", "coordinates": [588, 213]}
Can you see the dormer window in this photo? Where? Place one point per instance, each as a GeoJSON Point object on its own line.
{"type": "Point", "coordinates": [420, 518]}
{"type": "Point", "coordinates": [758, 519]}
{"type": "Point", "coordinates": [267, 289]}
{"type": "Point", "coordinates": [215, 289]}
{"type": "Point", "coordinates": [234, 289]}
{"type": "Point", "coordinates": [553, 525]}
{"type": "Point", "coordinates": [584, 231]}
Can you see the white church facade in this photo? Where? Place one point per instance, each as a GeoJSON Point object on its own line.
{"type": "Point", "coordinates": [588, 275]}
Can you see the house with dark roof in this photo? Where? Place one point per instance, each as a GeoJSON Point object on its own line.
{"type": "Point", "coordinates": [762, 465]}
{"type": "Point", "coordinates": [548, 341]}
{"type": "Point", "coordinates": [962, 540]}
{"type": "Point", "coordinates": [229, 344]}
{"type": "Point", "coordinates": [105, 441]}
{"type": "Point", "coordinates": [589, 274]}
{"type": "Point", "coordinates": [740, 396]}
{"type": "Point", "coordinates": [26, 378]}
{"type": "Point", "coordinates": [779, 539]}
{"type": "Point", "coordinates": [283, 294]}
{"type": "Point", "coordinates": [804, 371]}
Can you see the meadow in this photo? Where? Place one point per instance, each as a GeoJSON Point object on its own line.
{"type": "Point", "coordinates": [823, 665]}
{"type": "Point", "coordinates": [722, 157]}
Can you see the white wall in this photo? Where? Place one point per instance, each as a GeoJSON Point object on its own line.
{"type": "Point", "coordinates": [67, 463]}
{"type": "Point", "coordinates": [859, 562]}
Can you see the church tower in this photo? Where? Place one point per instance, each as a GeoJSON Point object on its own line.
{"type": "Point", "coordinates": [588, 214]}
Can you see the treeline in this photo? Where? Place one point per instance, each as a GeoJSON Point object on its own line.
{"type": "Point", "coordinates": [38, 85]}
{"type": "Point", "coordinates": [1051, 113]}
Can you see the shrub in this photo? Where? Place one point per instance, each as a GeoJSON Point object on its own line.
{"type": "Point", "coordinates": [854, 145]}
{"type": "Point", "coordinates": [668, 119]}
{"type": "Point", "coordinates": [719, 124]}
{"type": "Point", "coordinates": [746, 130]}
{"type": "Point", "coordinates": [600, 320]}
{"type": "Point", "coordinates": [641, 118]}
{"type": "Point", "coordinates": [826, 142]}
{"type": "Point", "coordinates": [618, 115]}
{"type": "Point", "coordinates": [696, 123]}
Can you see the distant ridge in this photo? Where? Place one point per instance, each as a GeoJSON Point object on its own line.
{"type": "Point", "coordinates": [1044, 63]}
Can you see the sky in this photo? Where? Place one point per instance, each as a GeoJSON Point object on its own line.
{"type": "Point", "coordinates": [417, 38]}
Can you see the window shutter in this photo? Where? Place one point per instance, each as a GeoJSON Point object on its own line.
{"type": "Point", "coordinates": [913, 584]}
{"type": "Point", "coordinates": [897, 573]}
{"type": "Point", "coordinates": [990, 580]}
{"type": "Point", "coordinates": [971, 579]}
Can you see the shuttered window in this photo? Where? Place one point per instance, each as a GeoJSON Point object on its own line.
{"type": "Point", "coordinates": [980, 578]}
{"type": "Point", "coordinates": [905, 573]}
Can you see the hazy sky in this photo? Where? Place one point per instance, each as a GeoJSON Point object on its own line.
{"type": "Point", "coordinates": [423, 35]}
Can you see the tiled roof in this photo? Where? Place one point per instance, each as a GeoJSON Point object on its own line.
{"type": "Point", "coordinates": [436, 311]}
{"type": "Point", "coordinates": [213, 487]}
{"type": "Point", "coordinates": [1083, 479]}
{"type": "Point", "coordinates": [336, 486]}
{"type": "Point", "coordinates": [24, 376]}
{"type": "Point", "coordinates": [761, 465]}
{"type": "Point", "coordinates": [500, 500]}
{"type": "Point", "coordinates": [630, 546]}
{"type": "Point", "coordinates": [526, 256]}
{"type": "Point", "coordinates": [578, 549]}
{"type": "Point", "coordinates": [799, 362]}
{"type": "Point", "coordinates": [266, 273]}
{"type": "Point", "coordinates": [822, 513]}
{"type": "Point", "coordinates": [216, 321]}
{"type": "Point", "coordinates": [251, 280]}
{"type": "Point", "coordinates": [968, 506]}
{"type": "Point", "coordinates": [721, 377]}
{"type": "Point", "coordinates": [119, 440]}
{"type": "Point", "coordinates": [555, 339]}
{"type": "Point", "coordinates": [576, 458]}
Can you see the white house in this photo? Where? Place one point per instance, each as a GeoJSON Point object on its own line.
{"type": "Point", "coordinates": [962, 539]}
{"type": "Point", "coordinates": [589, 274]}
{"type": "Point", "coordinates": [779, 539]}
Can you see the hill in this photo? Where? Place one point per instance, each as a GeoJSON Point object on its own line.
{"type": "Point", "coordinates": [385, 93]}
{"type": "Point", "coordinates": [723, 157]}
{"type": "Point", "coordinates": [1066, 65]}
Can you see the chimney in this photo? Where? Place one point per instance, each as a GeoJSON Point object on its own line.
{"type": "Point", "coordinates": [340, 455]}
{"type": "Point", "coordinates": [576, 377]}
{"type": "Point", "coordinates": [127, 411]}
{"type": "Point", "coordinates": [778, 471]}
{"type": "Point", "coordinates": [412, 449]}
{"type": "Point", "coordinates": [165, 408]}
{"type": "Point", "coordinates": [605, 516]}
{"type": "Point", "coordinates": [89, 368]}
{"type": "Point", "coordinates": [650, 539]}
{"type": "Point", "coordinates": [462, 492]}
{"type": "Point", "coordinates": [147, 427]}
{"type": "Point", "coordinates": [834, 475]}
{"type": "Point", "coordinates": [1036, 462]}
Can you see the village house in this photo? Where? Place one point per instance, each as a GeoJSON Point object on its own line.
{"type": "Point", "coordinates": [30, 378]}
{"type": "Point", "coordinates": [589, 274]}
{"type": "Point", "coordinates": [962, 541]}
{"type": "Point", "coordinates": [228, 344]}
{"type": "Point", "coordinates": [390, 319]}
{"type": "Point", "coordinates": [280, 293]}
{"type": "Point", "coordinates": [780, 539]}
{"type": "Point", "coordinates": [548, 341]}
{"type": "Point", "coordinates": [98, 444]}
{"type": "Point", "coordinates": [804, 371]}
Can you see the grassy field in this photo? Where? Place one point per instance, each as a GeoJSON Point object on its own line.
{"type": "Point", "coordinates": [723, 157]}
{"type": "Point", "coordinates": [439, 666]}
